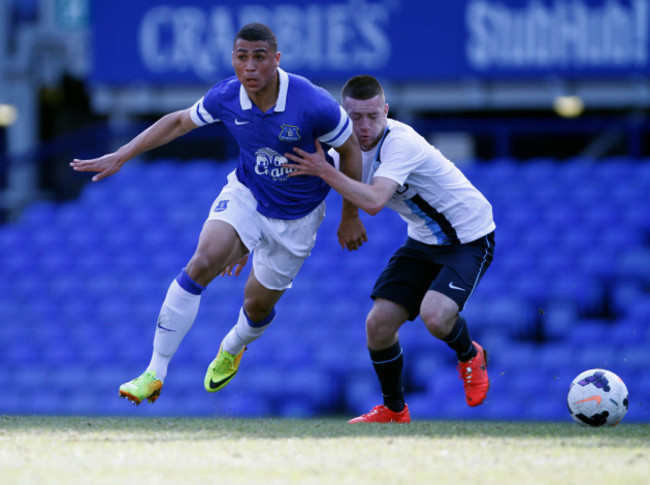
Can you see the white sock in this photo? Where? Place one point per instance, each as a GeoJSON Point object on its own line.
{"type": "Point", "coordinates": [244, 332]}
{"type": "Point", "coordinates": [176, 317]}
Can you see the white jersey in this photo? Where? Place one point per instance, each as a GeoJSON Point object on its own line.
{"type": "Point", "coordinates": [439, 204]}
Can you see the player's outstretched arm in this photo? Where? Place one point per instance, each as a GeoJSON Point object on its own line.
{"type": "Point", "coordinates": [370, 198]}
{"type": "Point", "coordinates": [166, 129]}
{"type": "Point", "coordinates": [351, 232]}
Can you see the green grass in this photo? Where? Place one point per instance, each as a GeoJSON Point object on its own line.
{"type": "Point", "coordinates": [69, 450]}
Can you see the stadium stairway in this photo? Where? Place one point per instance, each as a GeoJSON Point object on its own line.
{"type": "Point", "coordinates": [82, 283]}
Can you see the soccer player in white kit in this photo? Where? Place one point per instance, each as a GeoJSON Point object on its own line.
{"type": "Point", "coordinates": [260, 210]}
{"type": "Point", "coordinates": [449, 247]}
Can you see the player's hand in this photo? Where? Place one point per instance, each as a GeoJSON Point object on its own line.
{"type": "Point", "coordinates": [351, 233]}
{"type": "Point", "coordinates": [105, 165]}
{"type": "Point", "coordinates": [306, 163]}
{"type": "Point", "coordinates": [237, 266]}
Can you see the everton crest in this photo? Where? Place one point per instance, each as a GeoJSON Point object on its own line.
{"type": "Point", "coordinates": [289, 133]}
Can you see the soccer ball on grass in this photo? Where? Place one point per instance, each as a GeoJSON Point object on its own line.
{"type": "Point", "coordinates": [597, 397]}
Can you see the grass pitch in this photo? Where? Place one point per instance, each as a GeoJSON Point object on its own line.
{"type": "Point", "coordinates": [67, 450]}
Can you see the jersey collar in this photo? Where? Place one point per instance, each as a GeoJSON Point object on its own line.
{"type": "Point", "coordinates": [280, 104]}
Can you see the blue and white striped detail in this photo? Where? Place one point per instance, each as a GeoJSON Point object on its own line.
{"type": "Point", "coordinates": [200, 116]}
{"type": "Point", "coordinates": [434, 220]}
{"type": "Point", "coordinates": [340, 134]}
{"type": "Point", "coordinates": [480, 270]}
{"type": "Point", "coordinates": [428, 221]}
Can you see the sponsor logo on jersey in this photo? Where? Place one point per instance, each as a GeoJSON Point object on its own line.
{"type": "Point", "coordinates": [268, 163]}
{"type": "Point", "coordinates": [405, 192]}
{"type": "Point", "coordinates": [289, 133]}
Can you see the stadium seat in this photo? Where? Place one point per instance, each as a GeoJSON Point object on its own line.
{"type": "Point", "coordinates": [558, 318]}
{"type": "Point", "coordinates": [422, 405]}
{"type": "Point", "coordinates": [556, 356]}
{"type": "Point", "coordinates": [629, 331]}
{"type": "Point", "coordinates": [634, 264]}
{"type": "Point", "coordinates": [423, 365]}
{"type": "Point", "coordinates": [510, 314]}
{"type": "Point", "coordinates": [361, 393]}
{"type": "Point", "coordinates": [597, 355]}
{"type": "Point", "coordinates": [248, 405]}
{"type": "Point", "coordinates": [589, 332]}
{"type": "Point", "coordinates": [574, 172]}
{"type": "Point", "coordinates": [587, 293]}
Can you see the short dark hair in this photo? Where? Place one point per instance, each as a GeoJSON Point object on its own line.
{"type": "Point", "coordinates": [257, 32]}
{"type": "Point", "coordinates": [362, 87]}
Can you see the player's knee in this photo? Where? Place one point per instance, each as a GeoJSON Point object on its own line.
{"type": "Point", "coordinates": [379, 332]}
{"type": "Point", "coordinates": [371, 325]}
{"type": "Point", "coordinates": [438, 321]}
{"type": "Point", "coordinates": [202, 268]}
{"type": "Point", "coordinates": [257, 310]}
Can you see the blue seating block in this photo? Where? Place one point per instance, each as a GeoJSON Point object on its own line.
{"type": "Point", "coordinates": [83, 282]}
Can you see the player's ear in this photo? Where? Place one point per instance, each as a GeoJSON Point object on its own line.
{"type": "Point", "coordinates": [385, 108]}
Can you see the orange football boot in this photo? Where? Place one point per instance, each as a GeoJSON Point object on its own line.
{"type": "Point", "coordinates": [475, 377]}
{"type": "Point", "coordinates": [382, 414]}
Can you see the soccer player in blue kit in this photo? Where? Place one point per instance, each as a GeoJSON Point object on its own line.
{"type": "Point", "coordinates": [260, 210]}
{"type": "Point", "coordinates": [450, 242]}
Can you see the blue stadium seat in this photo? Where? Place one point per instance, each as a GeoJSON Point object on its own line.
{"type": "Point", "coordinates": [39, 214]}
{"type": "Point", "coordinates": [625, 294]}
{"type": "Point", "coordinates": [244, 405]}
{"type": "Point", "coordinates": [634, 264]}
{"type": "Point", "coordinates": [576, 171]}
{"type": "Point", "coordinates": [615, 171]}
{"type": "Point", "coordinates": [556, 356]}
{"type": "Point", "coordinates": [589, 332]}
{"type": "Point", "coordinates": [634, 356]}
{"type": "Point", "coordinates": [596, 354]}
{"type": "Point", "coordinates": [558, 318]}
{"type": "Point", "coordinates": [422, 405]}
{"type": "Point", "coordinates": [362, 392]}
{"type": "Point", "coordinates": [629, 332]}
{"type": "Point", "coordinates": [539, 172]}
{"type": "Point", "coordinates": [595, 264]}
{"type": "Point", "coordinates": [423, 365]}
{"type": "Point", "coordinates": [510, 314]}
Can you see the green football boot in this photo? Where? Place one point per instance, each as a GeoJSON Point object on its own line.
{"type": "Point", "coordinates": [221, 370]}
{"type": "Point", "coordinates": [144, 387]}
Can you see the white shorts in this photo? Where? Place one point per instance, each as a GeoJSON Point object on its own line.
{"type": "Point", "coordinates": [279, 246]}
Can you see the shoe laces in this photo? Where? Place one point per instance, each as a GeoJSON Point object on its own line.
{"type": "Point", "coordinates": [376, 410]}
{"type": "Point", "coordinates": [147, 377]}
{"type": "Point", "coordinates": [465, 371]}
{"type": "Point", "coordinates": [225, 363]}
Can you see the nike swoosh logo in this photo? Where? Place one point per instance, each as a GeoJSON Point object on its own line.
{"type": "Point", "coordinates": [165, 328]}
{"type": "Point", "coordinates": [454, 287]}
{"type": "Point", "coordinates": [237, 122]}
{"type": "Point", "coordinates": [214, 385]}
{"type": "Point", "coordinates": [596, 398]}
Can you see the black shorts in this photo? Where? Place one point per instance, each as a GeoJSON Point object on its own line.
{"type": "Point", "coordinates": [416, 268]}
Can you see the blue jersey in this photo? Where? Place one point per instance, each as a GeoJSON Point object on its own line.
{"type": "Point", "coordinates": [303, 113]}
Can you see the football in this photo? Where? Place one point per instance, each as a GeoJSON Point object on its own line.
{"type": "Point", "coordinates": [597, 397]}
